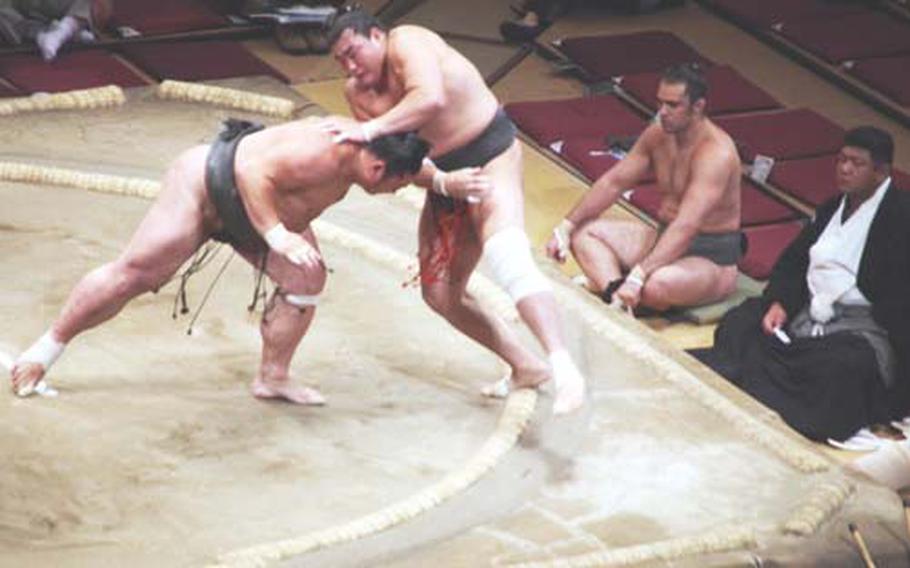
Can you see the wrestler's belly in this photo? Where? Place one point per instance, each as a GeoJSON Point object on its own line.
{"type": "Point", "coordinates": [457, 129]}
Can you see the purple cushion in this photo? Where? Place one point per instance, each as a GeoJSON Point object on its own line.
{"type": "Point", "coordinates": [549, 121]}
{"type": "Point", "coordinates": [70, 70]}
{"type": "Point", "coordinates": [766, 243]}
{"type": "Point", "coordinates": [197, 60]}
{"type": "Point", "coordinates": [604, 57]}
{"type": "Point", "coordinates": [784, 135]}
{"type": "Point", "coordinates": [888, 75]}
{"type": "Point", "coordinates": [856, 36]}
{"type": "Point", "coordinates": [165, 16]}
{"type": "Point", "coordinates": [728, 91]}
{"type": "Point", "coordinates": [768, 13]}
{"type": "Point", "coordinates": [589, 155]}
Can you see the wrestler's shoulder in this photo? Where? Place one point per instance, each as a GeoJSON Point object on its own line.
{"type": "Point", "coordinates": [407, 32]}
{"type": "Point", "coordinates": [718, 147]}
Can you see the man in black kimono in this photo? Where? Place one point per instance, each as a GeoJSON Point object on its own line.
{"type": "Point", "coordinates": [828, 343]}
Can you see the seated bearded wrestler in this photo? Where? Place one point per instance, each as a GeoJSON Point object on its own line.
{"type": "Point", "coordinates": [691, 258]}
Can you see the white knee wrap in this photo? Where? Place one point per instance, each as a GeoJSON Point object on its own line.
{"type": "Point", "coordinates": [508, 254]}
{"type": "Point", "coordinates": [301, 300]}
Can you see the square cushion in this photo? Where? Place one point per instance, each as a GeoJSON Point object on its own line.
{"type": "Point", "coordinates": [551, 121]}
{"type": "Point", "coordinates": [784, 135]}
{"type": "Point", "coordinates": [157, 17]}
{"type": "Point", "coordinates": [767, 13]}
{"type": "Point", "coordinates": [855, 36]}
{"type": "Point", "coordinates": [590, 155]}
{"type": "Point", "coordinates": [766, 243]}
{"type": "Point", "coordinates": [728, 91]}
{"type": "Point", "coordinates": [887, 75]}
{"type": "Point", "coordinates": [70, 70]}
{"type": "Point", "coordinates": [604, 57]}
{"type": "Point", "coordinates": [197, 60]}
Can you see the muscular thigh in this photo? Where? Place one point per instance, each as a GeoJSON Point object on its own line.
{"type": "Point", "coordinates": [696, 279]}
{"type": "Point", "coordinates": [504, 205]}
{"type": "Point", "coordinates": [175, 225]}
{"type": "Point", "coordinates": [466, 249]}
{"type": "Point", "coordinates": [630, 241]}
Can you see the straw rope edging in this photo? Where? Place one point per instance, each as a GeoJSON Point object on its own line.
{"type": "Point", "coordinates": [516, 414]}
{"type": "Point", "coordinates": [225, 97]}
{"type": "Point", "coordinates": [668, 550]}
{"type": "Point", "coordinates": [99, 97]}
{"type": "Point", "coordinates": [821, 504]}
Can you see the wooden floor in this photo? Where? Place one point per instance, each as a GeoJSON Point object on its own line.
{"type": "Point", "coordinates": [550, 191]}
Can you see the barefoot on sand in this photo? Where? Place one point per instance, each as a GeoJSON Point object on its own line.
{"type": "Point", "coordinates": [296, 394]}
{"type": "Point", "coordinates": [27, 378]}
{"type": "Point", "coordinates": [510, 382]}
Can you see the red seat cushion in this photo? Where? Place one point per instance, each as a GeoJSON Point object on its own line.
{"type": "Point", "coordinates": [9, 91]}
{"type": "Point", "coordinates": [856, 36]}
{"type": "Point", "coordinates": [550, 121]}
{"type": "Point", "coordinates": [165, 16]}
{"type": "Point", "coordinates": [605, 57]}
{"type": "Point", "coordinates": [71, 70]}
{"type": "Point", "coordinates": [888, 75]}
{"type": "Point", "coordinates": [785, 135]}
{"type": "Point", "coordinates": [589, 155]}
{"type": "Point", "coordinates": [728, 91]}
{"type": "Point", "coordinates": [767, 13]}
{"type": "Point", "coordinates": [197, 60]}
{"type": "Point", "coordinates": [757, 207]}
{"type": "Point", "coordinates": [812, 179]}
{"type": "Point", "coordinates": [809, 179]}
{"type": "Point", "coordinates": [766, 243]}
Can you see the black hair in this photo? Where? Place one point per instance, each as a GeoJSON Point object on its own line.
{"type": "Point", "coordinates": [402, 153]}
{"type": "Point", "coordinates": [353, 18]}
{"type": "Point", "coordinates": [690, 75]}
{"type": "Point", "coordinates": [876, 141]}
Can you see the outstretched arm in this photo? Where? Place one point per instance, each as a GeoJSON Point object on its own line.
{"type": "Point", "coordinates": [603, 194]}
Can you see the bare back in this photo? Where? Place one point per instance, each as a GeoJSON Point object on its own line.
{"type": "Point", "coordinates": [707, 169]}
{"type": "Point", "coordinates": [468, 106]}
{"type": "Point", "coordinates": [300, 163]}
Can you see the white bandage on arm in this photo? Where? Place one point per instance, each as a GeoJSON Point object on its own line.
{"type": "Point", "coordinates": [439, 178]}
{"type": "Point", "coordinates": [368, 129]}
{"type": "Point", "coordinates": [508, 254]}
{"type": "Point", "coordinates": [277, 237]}
{"type": "Point", "coordinates": [563, 234]}
{"type": "Point", "coordinates": [636, 276]}
{"type": "Point", "coordinates": [45, 351]}
{"type": "Point", "coordinates": [301, 300]}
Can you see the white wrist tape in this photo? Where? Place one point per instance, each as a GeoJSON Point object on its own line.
{"type": "Point", "coordinates": [636, 276]}
{"type": "Point", "coordinates": [277, 237]}
{"type": "Point", "coordinates": [563, 233]}
{"type": "Point", "coordinates": [368, 129]}
{"type": "Point", "coordinates": [45, 351]}
{"type": "Point", "coordinates": [301, 300]}
{"type": "Point", "coordinates": [439, 182]}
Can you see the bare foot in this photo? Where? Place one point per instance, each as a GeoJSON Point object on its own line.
{"type": "Point", "coordinates": [25, 377]}
{"type": "Point", "coordinates": [570, 391]}
{"type": "Point", "coordinates": [297, 394]}
{"type": "Point", "coordinates": [523, 379]}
